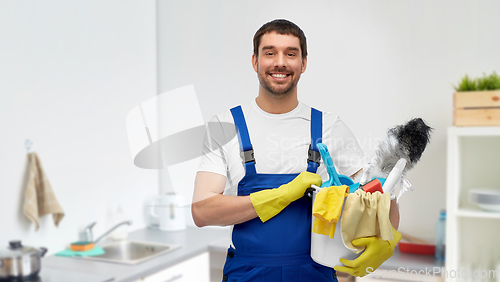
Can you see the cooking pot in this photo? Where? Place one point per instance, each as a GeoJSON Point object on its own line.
{"type": "Point", "coordinates": [19, 262]}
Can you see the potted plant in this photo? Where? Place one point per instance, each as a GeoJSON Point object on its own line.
{"type": "Point", "coordinates": [477, 101]}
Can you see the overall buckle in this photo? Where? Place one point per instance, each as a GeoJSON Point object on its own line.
{"type": "Point", "coordinates": [247, 156]}
{"type": "Point", "coordinates": [314, 156]}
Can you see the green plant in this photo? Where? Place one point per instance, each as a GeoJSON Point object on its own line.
{"type": "Point", "coordinates": [487, 82]}
{"type": "Point", "coordinates": [491, 82]}
{"type": "Point", "coordinates": [466, 84]}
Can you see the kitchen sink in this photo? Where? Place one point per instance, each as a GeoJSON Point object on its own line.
{"type": "Point", "coordinates": [132, 252]}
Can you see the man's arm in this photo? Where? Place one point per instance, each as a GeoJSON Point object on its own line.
{"type": "Point", "coordinates": [210, 207]}
{"type": "Point", "coordinates": [394, 214]}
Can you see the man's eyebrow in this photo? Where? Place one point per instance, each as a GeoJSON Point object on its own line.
{"type": "Point", "coordinates": [269, 47]}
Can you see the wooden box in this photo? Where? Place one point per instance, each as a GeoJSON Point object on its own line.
{"type": "Point", "coordinates": [476, 108]}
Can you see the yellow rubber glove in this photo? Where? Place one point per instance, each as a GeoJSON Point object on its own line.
{"type": "Point", "coordinates": [376, 252]}
{"type": "Point", "coordinates": [270, 202]}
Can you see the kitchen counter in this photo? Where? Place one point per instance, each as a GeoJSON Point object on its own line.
{"type": "Point", "coordinates": [193, 241]}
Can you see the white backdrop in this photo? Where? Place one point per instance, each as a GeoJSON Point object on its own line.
{"type": "Point", "coordinates": [376, 63]}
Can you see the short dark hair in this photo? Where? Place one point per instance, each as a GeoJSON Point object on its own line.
{"type": "Point", "coordinates": [281, 26]}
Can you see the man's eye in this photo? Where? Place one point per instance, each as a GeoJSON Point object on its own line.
{"type": "Point", "coordinates": [269, 53]}
{"type": "Point", "coordinates": [291, 54]}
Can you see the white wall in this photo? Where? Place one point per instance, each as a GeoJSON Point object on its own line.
{"type": "Point", "coordinates": [376, 63]}
{"type": "Point", "coordinates": [70, 71]}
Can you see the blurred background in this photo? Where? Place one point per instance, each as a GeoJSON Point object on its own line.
{"type": "Point", "coordinates": [71, 71]}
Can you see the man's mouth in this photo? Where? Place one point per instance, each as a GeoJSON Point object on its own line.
{"type": "Point", "coordinates": [279, 75]}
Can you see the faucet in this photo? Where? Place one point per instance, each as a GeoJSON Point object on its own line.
{"type": "Point", "coordinates": [87, 235]}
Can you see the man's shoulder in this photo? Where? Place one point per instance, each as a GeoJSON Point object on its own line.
{"type": "Point", "coordinates": [250, 108]}
{"type": "Point", "coordinates": [226, 115]}
{"type": "Point", "coordinates": [327, 115]}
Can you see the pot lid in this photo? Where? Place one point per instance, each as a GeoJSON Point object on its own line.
{"type": "Point", "coordinates": [16, 249]}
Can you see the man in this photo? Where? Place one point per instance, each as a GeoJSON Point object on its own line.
{"type": "Point", "coordinates": [267, 169]}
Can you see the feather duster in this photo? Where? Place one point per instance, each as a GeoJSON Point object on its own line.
{"type": "Point", "coordinates": [406, 141]}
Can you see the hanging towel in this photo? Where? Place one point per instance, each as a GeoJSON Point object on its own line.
{"type": "Point", "coordinates": [327, 209]}
{"type": "Point", "coordinates": [39, 199]}
{"type": "Point", "coordinates": [365, 215]}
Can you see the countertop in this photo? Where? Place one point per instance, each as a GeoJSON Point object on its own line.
{"type": "Point", "coordinates": [193, 241]}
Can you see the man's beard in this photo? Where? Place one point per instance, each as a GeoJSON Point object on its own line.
{"type": "Point", "coordinates": [277, 92]}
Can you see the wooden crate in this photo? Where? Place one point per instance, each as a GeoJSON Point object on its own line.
{"type": "Point", "coordinates": [476, 108]}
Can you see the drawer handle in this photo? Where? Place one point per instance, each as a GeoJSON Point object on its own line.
{"type": "Point", "coordinates": [175, 277]}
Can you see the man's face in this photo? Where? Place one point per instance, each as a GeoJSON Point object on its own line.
{"type": "Point", "coordinates": [279, 63]}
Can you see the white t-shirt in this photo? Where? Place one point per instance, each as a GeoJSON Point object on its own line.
{"type": "Point", "coordinates": [280, 143]}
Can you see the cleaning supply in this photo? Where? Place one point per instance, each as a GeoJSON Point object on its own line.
{"type": "Point", "coordinates": [268, 203]}
{"type": "Point", "coordinates": [441, 235]}
{"type": "Point", "coordinates": [373, 186]}
{"type": "Point", "coordinates": [330, 168]}
{"type": "Point", "coordinates": [325, 250]}
{"type": "Point", "coordinates": [365, 177]}
{"type": "Point", "coordinates": [96, 251]}
{"type": "Point", "coordinates": [394, 177]}
{"type": "Point", "coordinates": [334, 179]}
{"type": "Point", "coordinates": [376, 252]}
{"type": "Point", "coordinates": [327, 209]}
{"type": "Point", "coordinates": [404, 188]}
{"type": "Point", "coordinates": [406, 141]}
{"type": "Point", "coordinates": [81, 246]}
{"type": "Point", "coordinates": [365, 215]}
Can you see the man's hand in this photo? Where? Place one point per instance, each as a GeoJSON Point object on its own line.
{"type": "Point", "coordinates": [270, 202]}
{"type": "Point", "coordinates": [296, 188]}
{"type": "Point", "coordinates": [376, 252]}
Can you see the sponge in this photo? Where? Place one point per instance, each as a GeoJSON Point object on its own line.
{"type": "Point", "coordinates": [373, 186]}
{"type": "Point", "coordinates": [81, 246]}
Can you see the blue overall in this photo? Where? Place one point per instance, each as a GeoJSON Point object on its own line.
{"type": "Point", "coordinates": [279, 249]}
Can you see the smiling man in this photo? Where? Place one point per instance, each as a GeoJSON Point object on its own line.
{"type": "Point", "coordinates": [256, 182]}
{"type": "Point", "coordinates": [279, 63]}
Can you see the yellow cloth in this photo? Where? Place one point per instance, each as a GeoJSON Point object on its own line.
{"type": "Point", "coordinates": [366, 215]}
{"type": "Point", "coordinates": [39, 199]}
{"type": "Point", "coordinates": [327, 209]}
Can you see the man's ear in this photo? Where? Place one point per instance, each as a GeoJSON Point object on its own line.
{"type": "Point", "coordinates": [254, 62]}
{"type": "Point", "coordinates": [304, 64]}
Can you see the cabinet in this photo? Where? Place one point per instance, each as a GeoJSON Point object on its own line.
{"type": "Point", "coordinates": [395, 275]}
{"type": "Point", "coordinates": [472, 244]}
{"type": "Point", "coordinates": [193, 269]}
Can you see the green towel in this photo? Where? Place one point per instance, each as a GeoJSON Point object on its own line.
{"type": "Point", "coordinates": [96, 251]}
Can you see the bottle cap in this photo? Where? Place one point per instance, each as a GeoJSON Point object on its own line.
{"type": "Point", "coordinates": [442, 212]}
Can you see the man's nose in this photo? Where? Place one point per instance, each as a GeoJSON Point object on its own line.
{"type": "Point", "coordinates": [280, 60]}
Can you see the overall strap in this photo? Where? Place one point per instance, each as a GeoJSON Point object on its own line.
{"type": "Point", "coordinates": [246, 150]}
{"type": "Point", "coordinates": [316, 137]}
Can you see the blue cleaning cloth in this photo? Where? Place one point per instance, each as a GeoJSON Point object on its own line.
{"type": "Point", "coordinates": [96, 251]}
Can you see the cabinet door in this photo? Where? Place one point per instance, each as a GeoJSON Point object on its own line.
{"type": "Point", "coordinates": [393, 275]}
{"type": "Point", "coordinates": [194, 269]}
